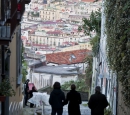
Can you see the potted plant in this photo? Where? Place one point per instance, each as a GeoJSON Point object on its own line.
{"type": "Point", "coordinates": [6, 89]}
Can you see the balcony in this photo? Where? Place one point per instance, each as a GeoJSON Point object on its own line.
{"type": "Point", "coordinates": [14, 9]}
{"type": "Point", "coordinates": [7, 30]}
{"type": "Point", "coordinates": [27, 1]}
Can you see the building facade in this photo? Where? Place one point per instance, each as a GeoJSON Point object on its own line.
{"type": "Point", "coordinates": [50, 14]}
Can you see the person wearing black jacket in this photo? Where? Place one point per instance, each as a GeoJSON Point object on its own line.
{"type": "Point", "coordinates": [26, 89]}
{"type": "Point", "coordinates": [97, 102]}
{"type": "Point", "coordinates": [56, 100]}
{"type": "Point", "coordinates": [74, 99]}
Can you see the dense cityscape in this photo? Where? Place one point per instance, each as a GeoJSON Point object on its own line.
{"type": "Point", "coordinates": [72, 42]}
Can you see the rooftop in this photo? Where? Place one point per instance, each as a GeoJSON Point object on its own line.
{"type": "Point", "coordinates": [58, 70]}
{"type": "Point", "coordinates": [49, 22]}
{"type": "Point", "coordinates": [64, 57]}
{"type": "Point", "coordinates": [54, 32]}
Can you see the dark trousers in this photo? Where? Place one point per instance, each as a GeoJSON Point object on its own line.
{"type": "Point", "coordinates": [31, 105]}
{"type": "Point", "coordinates": [26, 99]}
{"type": "Point", "coordinates": [58, 111]}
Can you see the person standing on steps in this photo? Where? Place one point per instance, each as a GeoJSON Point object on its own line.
{"type": "Point", "coordinates": [56, 100]}
{"type": "Point", "coordinates": [97, 102]}
{"type": "Point", "coordinates": [26, 88]}
{"type": "Point", "coordinates": [74, 99]}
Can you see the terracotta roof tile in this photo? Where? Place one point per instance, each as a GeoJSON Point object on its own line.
{"type": "Point", "coordinates": [63, 57]}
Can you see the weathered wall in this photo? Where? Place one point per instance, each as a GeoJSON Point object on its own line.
{"type": "Point", "coordinates": [122, 109]}
{"type": "Point", "coordinates": [84, 95]}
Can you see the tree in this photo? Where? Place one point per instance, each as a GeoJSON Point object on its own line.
{"type": "Point", "coordinates": [80, 85]}
{"type": "Point", "coordinates": [24, 66]}
{"type": "Point", "coordinates": [93, 24]}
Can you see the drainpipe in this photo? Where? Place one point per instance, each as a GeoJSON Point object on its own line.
{"type": "Point", "coordinates": [3, 75]}
{"type": "Point", "coordinates": [117, 94]}
{"type": "Point", "coordinates": [8, 74]}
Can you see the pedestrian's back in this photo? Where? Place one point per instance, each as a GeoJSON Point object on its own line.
{"type": "Point", "coordinates": [56, 99]}
{"type": "Point", "coordinates": [97, 102]}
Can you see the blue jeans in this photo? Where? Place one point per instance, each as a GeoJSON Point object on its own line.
{"type": "Point", "coordinates": [58, 111]}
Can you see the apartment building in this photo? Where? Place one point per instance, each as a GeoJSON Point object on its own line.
{"type": "Point", "coordinates": [77, 47]}
{"type": "Point", "coordinates": [50, 14]}
{"type": "Point", "coordinates": [51, 37]}
{"type": "Point", "coordinates": [77, 18]}
{"type": "Point", "coordinates": [11, 12]}
{"type": "Point", "coordinates": [84, 8]}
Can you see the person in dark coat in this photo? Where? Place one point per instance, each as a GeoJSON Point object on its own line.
{"type": "Point", "coordinates": [26, 90]}
{"type": "Point", "coordinates": [56, 100]}
{"type": "Point", "coordinates": [74, 99]}
{"type": "Point", "coordinates": [31, 95]}
{"type": "Point", "coordinates": [97, 102]}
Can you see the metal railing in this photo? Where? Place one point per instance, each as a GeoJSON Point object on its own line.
{"type": "Point", "coordinates": [5, 31]}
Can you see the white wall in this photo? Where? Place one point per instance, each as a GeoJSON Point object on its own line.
{"type": "Point", "coordinates": [42, 79]}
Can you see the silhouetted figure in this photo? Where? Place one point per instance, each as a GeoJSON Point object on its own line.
{"type": "Point", "coordinates": [31, 95]}
{"type": "Point", "coordinates": [97, 102]}
{"type": "Point", "coordinates": [74, 99]}
{"type": "Point", "coordinates": [26, 90]}
{"type": "Point", "coordinates": [56, 100]}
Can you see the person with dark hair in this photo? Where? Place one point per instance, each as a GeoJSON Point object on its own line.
{"type": "Point", "coordinates": [31, 95]}
{"type": "Point", "coordinates": [74, 99]}
{"type": "Point", "coordinates": [26, 89]}
{"type": "Point", "coordinates": [56, 100]}
{"type": "Point", "coordinates": [97, 102]}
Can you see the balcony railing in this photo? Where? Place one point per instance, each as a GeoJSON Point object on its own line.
{"type": "Point", "coordinates": [8, 29]}
{"type": "Point", "coordinates": [5, 32]}
{"type": "Point", "coordinates": [14, 11]}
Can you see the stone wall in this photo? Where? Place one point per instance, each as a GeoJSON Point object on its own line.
{"type": "Point", "coordinates": [84, 95]}
{"type": "Point", "coordinates": [121, 109]}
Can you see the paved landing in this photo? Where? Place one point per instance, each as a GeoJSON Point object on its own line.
{"type": "Point", "coordinates": [83, 108]}
{"type": "Point", "coordinates": [47, 110]}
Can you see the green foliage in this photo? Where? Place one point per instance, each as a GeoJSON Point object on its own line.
{"type": "Point", "coordinates": [80, 85]}
{"type": "Point", "coordinates": [89, 70]}
{"type": "Point", "coordinates": [107, 112]}
{"type": "Point", "coordinates": [34, 14]}
{"type": "Point", "coordinates": [89, 61]}
{"type": "Point", "coordinates": [85, 105]}
{"type": "Point", "coordinates": [118, 42]}
{"type": "Point", "coordinates": [95, 43]}
{"type": "Point", "coordinates": [93, 24]}
{"type": "Point", "coordinates": [24, 66]}
{"type": "Point", "coordinates": [24, 71]}
{"type": "Point", "coordinates": [6, 88]}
